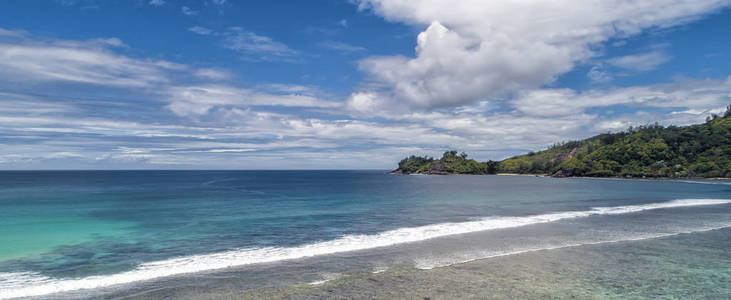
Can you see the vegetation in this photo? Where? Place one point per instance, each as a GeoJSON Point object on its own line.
{"type": "Point", "coordinates": [450, 163]}
{"type": "Point", "coordinates": [702, 150]}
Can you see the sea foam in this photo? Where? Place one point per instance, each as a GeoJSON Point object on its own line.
{"type": "Point", "coordinates": [426, 264]}
{"type": "Point", "coordinates": [33, 284]}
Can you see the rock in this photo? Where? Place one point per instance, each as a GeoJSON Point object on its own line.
{"type": "Point", "coordinates": [437, 169]}
{"type": "Point", "coordinates": [563, 173]}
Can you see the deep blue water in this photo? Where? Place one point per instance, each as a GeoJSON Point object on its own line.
{"type": "Point", "coordinates": [59, 225]}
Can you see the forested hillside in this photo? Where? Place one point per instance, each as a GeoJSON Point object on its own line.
{"type": "Point", "coordinates": [702, 150]}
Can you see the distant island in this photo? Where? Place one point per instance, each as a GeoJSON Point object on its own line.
{"type": "Point", "coordinates": [702, 150]}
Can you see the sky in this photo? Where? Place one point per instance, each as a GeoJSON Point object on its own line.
{"type": "Point", "coordinates": [344, 84]}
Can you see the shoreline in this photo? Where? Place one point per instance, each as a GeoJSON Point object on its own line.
{"type": "Point", "coordinates": [585, 177]}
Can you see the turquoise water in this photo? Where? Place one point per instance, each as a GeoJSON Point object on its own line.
{"type": "Point", "coordinates": [70, 231]}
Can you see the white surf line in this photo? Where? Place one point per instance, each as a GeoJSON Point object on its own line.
{"type": "Point", "coordinates": [32, 284]}
{"type": "Point", "coordinates": [326, 278]}
{"type": "Point", "coordinates": [717, 182]}
{"type": "Point", "coordinates": [426, 266]}
{"type": "Point", "coordinates": [699, 181]}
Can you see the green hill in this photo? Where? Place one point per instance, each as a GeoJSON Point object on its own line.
{"type": "Point", "coordinates": [702, 150]}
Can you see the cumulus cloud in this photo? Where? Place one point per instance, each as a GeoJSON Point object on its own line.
{"type": "Point", "coordinates": [474, 49]}
{"type": "Point", "coordinates": [190, 117]}
{"type": "Point", "coordinates": [367, 103]}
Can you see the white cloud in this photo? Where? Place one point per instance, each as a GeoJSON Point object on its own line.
{"type": "Point", "coordinates": [181, 119]}
{"type": "Point", "coordinates": [701, 95]}
{"type": "Point", "coordinates": [230, 150]}
{"type": "Point", "coordinates": [640, 62]}
{"type": "Point", "coordinates": [599, 74]}
{"type": "Point", "coordinates": [113, 42]}
{"type": "Point", "coordinates": [13, 104]}
{"type": "Point", "coordinates": [234, 132]}
{"type": "Point", "coordinates": [252, 46]}
{"type": "Point", "coordinates": [200, 30]}
{"type": "Point", "coordinates": [290, 88]}
{"type": "Point", "coordinates": [62, 155]}
{"type": "Point", "coordinates": [6, 32]}
{"type": "Point", "coordinates": [258, 47]}
{"type": "Point", "coordinates": [82, 62]}
{"type": "Point", "coordinates": [368, 103]}
{"type": "Point", "coordinates": [213, 74]}
{"type": "Point", "coordinates": [157, 2]}
{"type": "Point", "coordinates": [199, 100]}
{"type": "Point", "coordinates": [340, 46]}
{"type": "Point", "coordinates": [475, 49]}
{"type": "Point", "coordinates": [188, 11]}
{"type": "Point", "coordinates": [612, 125]}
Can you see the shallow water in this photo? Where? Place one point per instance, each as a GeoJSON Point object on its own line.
{"type": "Point", "coordinates": [684, 266]}
{"type": "Point", "coordinates": [127, 232]}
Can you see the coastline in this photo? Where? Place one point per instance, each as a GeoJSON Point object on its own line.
{"type": "Point", "coordinates": [585, 177]}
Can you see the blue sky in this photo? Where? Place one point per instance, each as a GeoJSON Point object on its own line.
{"type": "Point", "coordinates": [328, 84]}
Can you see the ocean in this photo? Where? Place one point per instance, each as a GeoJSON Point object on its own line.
{"type": "Point", "coordinates": [106, 234]}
